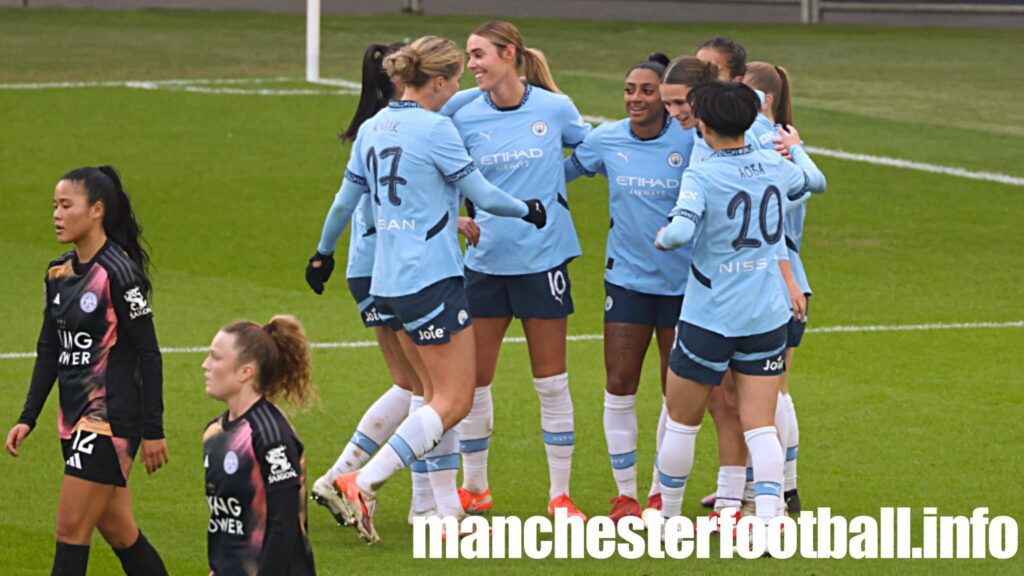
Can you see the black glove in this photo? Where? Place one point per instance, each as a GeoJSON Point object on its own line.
{"type": "Point", "coordinates": [316, 277]}
{"type": "Point", "coordinates": [537, 215]}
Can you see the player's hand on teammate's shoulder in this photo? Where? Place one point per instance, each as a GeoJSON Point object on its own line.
{"type": "Point", "coordinates": [15, 437]}
{"type": "Point", "coordinates": [154, 454]}
{"type": "Point", "coordinates": [319, 270]}
{"type": "Point", "coordinates": [470, 230]}
{"type": "Point", "coordinates": [788, 137]}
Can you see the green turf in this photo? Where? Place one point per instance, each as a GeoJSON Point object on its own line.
{"type": "Point", "coordinates": [232, 191]}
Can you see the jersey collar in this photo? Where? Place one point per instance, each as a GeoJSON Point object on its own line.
{"type": "Point", "coordinates": [401, 104]}
{"type": "Point", "coordinates": [733, 151]}
{"type": "Point", "coordinates": [526, 96]}
{"type": "Point", "coordinates": [664, 129]}
{"type": "Point", "coordinates": [81, 268]}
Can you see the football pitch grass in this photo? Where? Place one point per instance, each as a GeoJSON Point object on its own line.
{"type": "Point", "coordinates": [232, 190]}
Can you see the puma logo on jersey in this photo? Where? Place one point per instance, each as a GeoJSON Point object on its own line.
{"type": "Point", "coordinates": [486, 134]}
{"type": "Point", "coordinates": [623, 155]}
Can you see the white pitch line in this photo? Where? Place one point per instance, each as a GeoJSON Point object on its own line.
{"type": "Point", "coordinates": [893, 162]}
{"type": "Point", "coordinates": [591, 337]}
{"type": "Point", "coordinates": [920, 166]}
{"type": "Point", "coordinates": [198, 86]}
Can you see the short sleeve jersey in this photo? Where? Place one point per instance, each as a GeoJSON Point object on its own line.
{"type": "Point", "coordinates": [91, 306]}
{"type": "Point", "coordinates": [410, 159]}
{"type": "Point", "coordinates": [520, 150]}
{"type": "Point", "coordinates": [643, 184]}
{"type": "Point", "coordinates": [245, 459]}
{"type": "Point", "coordinates": [736, 198]}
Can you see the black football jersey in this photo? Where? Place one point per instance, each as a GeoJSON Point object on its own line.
{"type": "Point", "coordinates": [98, 341]}
{"type": "Point", "coordinates": [245, 460]}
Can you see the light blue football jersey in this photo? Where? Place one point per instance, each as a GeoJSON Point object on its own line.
{"type": "Point", "coordinates": [643, 184]}
{"type": "Point", "coordinates": [760, 136]}
{"type": "Point", "coordinates": [520, 151]}
{"type": "Point", "coordinates": [410, 158]}
{"type": "Point", "coordinates": [360, 245]}
{"type": "Point", "coordinates": [736, 198]}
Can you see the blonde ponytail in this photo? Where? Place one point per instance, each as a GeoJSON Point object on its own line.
{"type": "Point", "coordinates": [535, 68]}
{"type": "Point", "coordinates": [423, 60]}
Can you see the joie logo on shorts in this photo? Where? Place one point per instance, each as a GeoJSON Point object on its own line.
{"type": "Point", "coordinates": [558, 284]}
{"type": "Point", "coordinates": [372, 315]}
{"type": "Point", "coordinates": [431, 333]}
{"type": "Point", "coordinates": [772, 365]}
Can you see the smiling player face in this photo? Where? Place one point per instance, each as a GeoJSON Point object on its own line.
{"type": "Point", "coordinates": [674, 98]}
{"type": "Point", "coordinates": [642, 97]}
{"type": "Point", "coordinates": [489, 66]}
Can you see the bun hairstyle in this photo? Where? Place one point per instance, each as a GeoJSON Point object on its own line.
{"type": "Point", "coordinates": [736, 55]}
{"type": "Point", "coordinates": [728, 108]}
{"type": "Point", "coordinates": [103, 184]}
{"type": "Point", "coordinates": [656, 62]}
{"type": "Point", "coordinates": [689, 71]}
{"type": "Point", "coordinates": [530, 61]}
{"type": "Point", "coordinates": [423, 60]}
{"type": "Point", "coordinates": [377, 88]}
{"type": "Point", "coordinates": [280, 351]}
{"type": "Point", "coordinates": [773, 80]}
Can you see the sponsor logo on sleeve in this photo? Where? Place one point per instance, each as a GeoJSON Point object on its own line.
{"type": "Point", "coordinates": [137, 303]}
{"type": "Point", "coordinates": [280, 467]}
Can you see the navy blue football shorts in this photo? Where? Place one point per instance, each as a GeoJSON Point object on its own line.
{"type": "Point", "coordinates": [704, 356]}
{"type": "Point", "coordinates": [795, 328]}
{"type": "Point", "coordinates": [360, 290]}
{"type": "Point", "coordinates": [545, 295]}
{"type": "Point", "coordinates": [622, 305]}
{"type": "Point", "coordinates": [431, 315]}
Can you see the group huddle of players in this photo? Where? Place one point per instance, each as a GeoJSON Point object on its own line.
{"type": "Point", "coordinates": [708, 185]}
